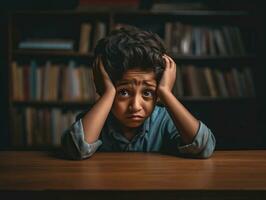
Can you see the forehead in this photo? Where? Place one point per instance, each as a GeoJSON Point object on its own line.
{"type": "Point", "coordinates": [138, 76]}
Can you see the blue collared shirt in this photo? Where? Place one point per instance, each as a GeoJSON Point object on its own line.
{"type": "Point", "coordinates": [158, 133]}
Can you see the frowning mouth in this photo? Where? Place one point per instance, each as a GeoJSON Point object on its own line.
{"type": "Point", "coordinates": [135, 117]}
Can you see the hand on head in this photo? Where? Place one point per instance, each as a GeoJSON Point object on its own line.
{"type": "Point", "coordinates": [102, 80]}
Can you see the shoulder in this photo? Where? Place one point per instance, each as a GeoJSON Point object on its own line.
{"type": "Point", "coordinates": [159, 113]}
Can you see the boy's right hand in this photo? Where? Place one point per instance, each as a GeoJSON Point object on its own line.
{"type": "Point", "coordinates": [102, 80]}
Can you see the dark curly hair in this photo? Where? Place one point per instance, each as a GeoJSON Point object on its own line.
{"type": "Point", "coordinates": [130, 47]}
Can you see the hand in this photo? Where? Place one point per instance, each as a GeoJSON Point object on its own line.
{"type": "Point", "coordinates": [169, 75]}
{"type": "Point", "coordinates": [102, 80]}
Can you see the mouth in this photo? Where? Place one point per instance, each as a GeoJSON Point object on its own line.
{"type": "Point", "coordinates": [135, 117]}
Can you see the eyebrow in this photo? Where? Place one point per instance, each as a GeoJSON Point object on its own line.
{"type": "Point", "coordinates": [131, 82]}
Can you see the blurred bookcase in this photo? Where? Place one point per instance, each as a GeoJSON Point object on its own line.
{"type": "Point", "coordinates": [50, 75]}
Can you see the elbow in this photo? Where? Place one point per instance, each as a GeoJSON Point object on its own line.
{"type": "Point", "coordinates": [207, 152]}
{"type": "Point", "coordinates": [74, 151]}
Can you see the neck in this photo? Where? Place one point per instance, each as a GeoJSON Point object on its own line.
{"type": "Point", "coordinates": [129, 133]}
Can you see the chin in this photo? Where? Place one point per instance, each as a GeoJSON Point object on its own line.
{"type": "Point", "coordinates": [134, 124]}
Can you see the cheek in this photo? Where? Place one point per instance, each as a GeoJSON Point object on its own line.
{"type": "Point", "coordinates": [119, 107]}
{"type": "Point", "coordinates": [148, 106]}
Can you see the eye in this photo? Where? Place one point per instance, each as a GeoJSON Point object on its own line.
{"type": "Point", "coordinates": [148, 93]}
{"type": "Point", "coordinates": [123, 93]}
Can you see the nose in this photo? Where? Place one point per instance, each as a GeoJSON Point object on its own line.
{"type": "Point", "coordinates": [135, 104]}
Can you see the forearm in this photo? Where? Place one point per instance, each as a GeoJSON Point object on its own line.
{"type": "Point", "coordinates": [183, 119]}
{"type": "Point", "coordinates": [94, 120]}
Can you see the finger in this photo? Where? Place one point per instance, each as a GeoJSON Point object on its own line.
{"type": "Point", "coordinates": [172, 62]}
{"type": "Point", "coordinates": [102, 68]}
{"type": "Point", "coordinates": [167, 62]}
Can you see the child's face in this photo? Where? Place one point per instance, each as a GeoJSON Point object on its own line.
{"type": "Point", "coordinates": [135, 97]}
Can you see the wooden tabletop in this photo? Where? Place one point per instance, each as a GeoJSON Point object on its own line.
{"type": "Point", "coordinates": [225, 170]}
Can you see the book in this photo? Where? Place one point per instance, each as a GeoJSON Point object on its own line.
{"type": "Point", "coordinates": [33, 75]}
{"type": "Point", "coordinates": [26, 82]}
{"type": "Point", "coordinates": [202, 82]}
{"type": "Point", "coordinates": [69, 81]}
{"type": "Point", "coordinates": [168, 35]}
{"type": "Point", "coordinates": [220, 81]}
{"type": "Point", "coordinates": [186, 42]}
{"type": "Point", "coordinates": [76, 86]}
{"type": "Point", "coordinates": [204, 41]}
{"type": "Point", "coordinates": [100, 31]}
{"type": "Point", "coordinates": [236, 80]}
{"type": "Point", "coordinates": [29, 126]}
{"type": "Point", "coordinates": [219, 41]}
{"type": "Point", "coordinates": [239, 41]}
{"type": "Point", "coordinates": [211, 43]}
{"type": "Point", "coordinates": [15, 81]}
{"type": "Point", "coordinates": [108, 4]}
{"type": "Point", "coordinates": [46, 81]}
{"type": "Point", "coordinates": [228, 40]}
{"type": "Point", "coordinates": [230, 84]}
{"type": "Point", "coordinates": [44, 44]}
{"type": "Point", "coordinates": [85, 37]}
{"type": "Point", "coordinates": [166, 6]}
{"type": "Point", "coordinates": [191, 81]}
{"type": "Point", "coordinates": [20, 83]}
{"type": "Point", "coordinates": [176, 38]}
{"type": "Point", "coordinates": [210, 82]}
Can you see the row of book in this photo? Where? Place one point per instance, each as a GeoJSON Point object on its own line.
{"type": "Point", "coordinates": [47, 44]}
{"type": "Point", "coordinates": [37, 127]}
{"type": "Point", "coordinates": [90, 33]}
{"type": "Point", "coordinates": [186, 39]}
{"type": "Point", "coordinates": [53, 82]}
{"type": "Point", "coordinates": [72, 82]}
{"type": "Point", "coordinates": [180, 39]}
{"type": "Point", "coordinates": [197, 81]}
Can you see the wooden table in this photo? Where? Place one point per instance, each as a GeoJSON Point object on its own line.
{"type": "Point", "coordinates": [45, 175]}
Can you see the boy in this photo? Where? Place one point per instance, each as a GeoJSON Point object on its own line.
{"type": "Point", "coordinates": [131, 72]}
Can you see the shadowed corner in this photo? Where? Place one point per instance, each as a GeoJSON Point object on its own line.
{"type": "Point", "coordinates": [58, 153]}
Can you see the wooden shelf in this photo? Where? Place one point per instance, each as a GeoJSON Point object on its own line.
{"type": "Point", "coordinates": [45, 147]}
{"type": "Point", "coordinates": [62, 104]}
{"type": "Point", "coordinates": [249, 57]}
{"type": "Point", "coordinates": [218, 99]}
{"type": "Point", "coordinates": [188, 13]}
{"type": "Point", "coordinates": [139, 12]}
{"type": "Point", "coordinates": [51, 53]}
{"type": "Point", "coordinates": [214, 58]}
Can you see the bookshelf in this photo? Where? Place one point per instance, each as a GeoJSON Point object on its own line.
{"type": "Point", "coordinates": [231, 112]}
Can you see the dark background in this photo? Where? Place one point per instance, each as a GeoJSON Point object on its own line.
{"type": "Point", "coordinates": [255, 6]}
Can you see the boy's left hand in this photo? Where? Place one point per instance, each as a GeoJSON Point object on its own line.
{"type": "Point", "coordinates": [169, 75]}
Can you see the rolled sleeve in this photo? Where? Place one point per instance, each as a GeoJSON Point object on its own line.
{"type": "Point", "coordinates": [203, 144]}
{"type": "Point", "coordinates": [74, 144]}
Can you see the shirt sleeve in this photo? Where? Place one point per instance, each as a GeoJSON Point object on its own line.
{"type": "Point", "coordinates": [202, 146]}
{"type": "Point", "coordinates": [74, 144]}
